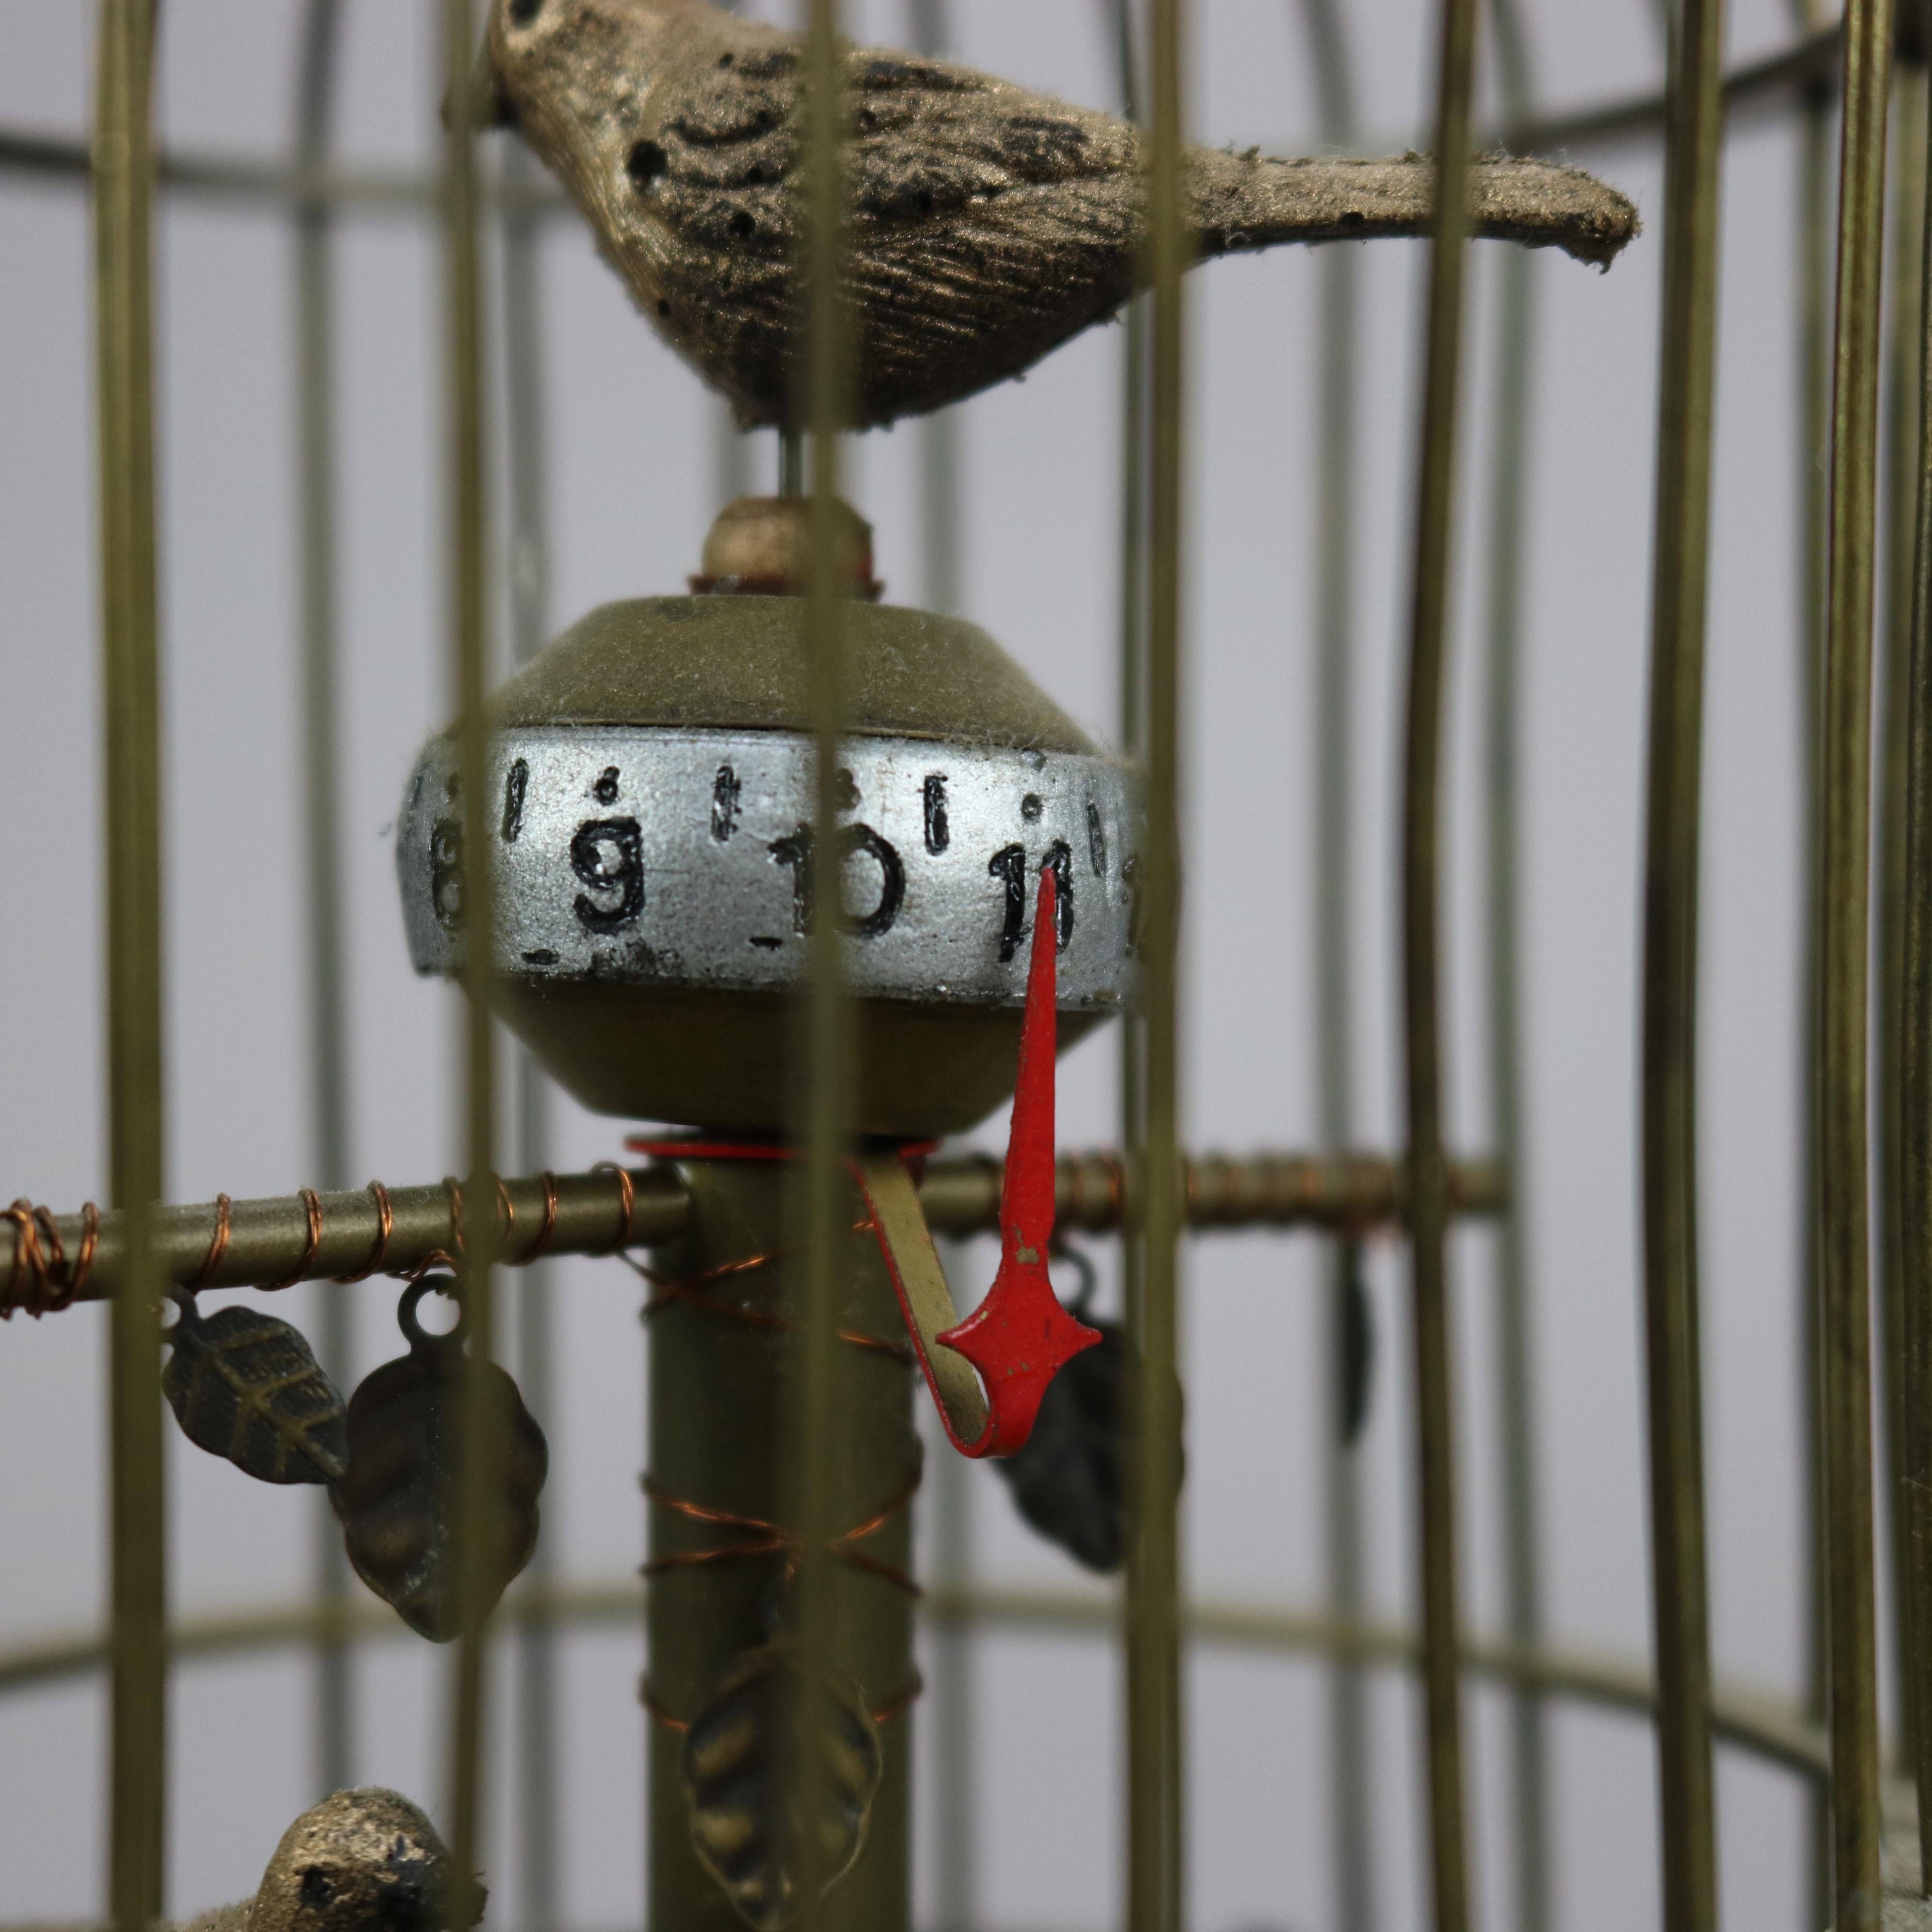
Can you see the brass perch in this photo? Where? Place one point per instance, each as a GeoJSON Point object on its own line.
{"type": "Point", "coordinates": [310, 1236]}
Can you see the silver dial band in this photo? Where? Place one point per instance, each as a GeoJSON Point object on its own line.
{"type": "Point", "coordinates": [688, 858]}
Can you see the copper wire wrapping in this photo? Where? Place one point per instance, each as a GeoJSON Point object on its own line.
{"type": "Point", "coordinates": [83, 1262]}
{"type": "Point", "coordinates": [628, 1194]}
{"type": "Point", "coordinates": [764, 1538]}
{"type": "Point", "coordinates": [217, 1244]}
{"type": "Point", "coordinates": [453, 1188]}
{"type": "Point", "coordinates": [549, 1227]}
{"type": "Point", "coordinates": [693, 1290]}
{"type": "Point", "coordinates": [385, 1226]}
{"type": "Point", "coordinates": [40, 1257]}
{"type": "Point", "coordinates": [311, 1203]}
{"type": "Point", "coordinates": [26, 1261]}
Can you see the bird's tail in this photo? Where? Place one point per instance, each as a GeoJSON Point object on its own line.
{"type": "Point", "coordinates": [1248, 201]}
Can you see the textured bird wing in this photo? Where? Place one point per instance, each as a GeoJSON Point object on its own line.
{"type": "Point", "coordinates": [988, 222]}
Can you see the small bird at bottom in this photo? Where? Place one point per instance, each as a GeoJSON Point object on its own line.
{"type": "Point", "coordinates": [362, 1860]}
{"type": "Point", "coordinates": [987, 224]}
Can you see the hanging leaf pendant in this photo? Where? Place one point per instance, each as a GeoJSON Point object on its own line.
{"type": "Point", "coordinates": [246, 1386]}
{"type": "Point", "coordinates": [735, 1772]}
{"type": "Point", "coordinates": [1069, 1481]}
{"type": "Point", "coordinates": [398, 1499]}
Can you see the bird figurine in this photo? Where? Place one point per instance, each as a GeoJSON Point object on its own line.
{"type": "Point", "coordinates": [362, 1860]}
{"type": "Point", "coordinates": [988, 224]}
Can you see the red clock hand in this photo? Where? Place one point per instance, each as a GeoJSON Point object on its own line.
{"type": "Point", "coordinates": [1019, 1337]}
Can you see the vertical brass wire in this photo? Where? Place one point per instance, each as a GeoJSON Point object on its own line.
{"type": "Point", "coordinates": [321, 763]}
{"type": "Point", "coordinates": [539, 1762]}
{"type": "Point", "coordinates": [939, 451]}
{"type": "Point", "coordinates": [954, 1675]}
{"type": "Point", "coordinates": [953, 1690]}
{"type": "Point", "coordinates": [1133, 636]}
{"type": "Point", "coordinates": [1118, 19]}
{"type": "Point", "coordinates": [1344, 1491]}
{"type": "Point", "coordinates": [1679, 597]}
{"type": "Point", "coordinates": [1154, 1767]}
{"type": "Point", "coordinates": [1516, 1371]}
{"type": "Point", "coordinates": [731, 446]}
{"type": "Point", "coordinates": [1814, 249]}
{"type": "Point", "coordinates": [830, 1041]}
{"type": "Point", "coordinates": [1421, 876]}
{"type": "Point", "coordinates": [123, 206]}
{"type": "Point", "coordinates": [1901, 443]}
{"type": "Point", "coordinates": [1914, 1124]}
{"type": "Point", "coordinates": [476, 1473]}
{"type": "Point", "coordinates": [1844, 911]}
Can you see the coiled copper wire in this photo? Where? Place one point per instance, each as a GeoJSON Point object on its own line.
{"type": "Point", "coordinates": [217, 1245]}
{"type": "Point", "coordinates": [629, 1196]}
{"type": "Point", "coordinates": [549, 1227]}
{"type": "Point", "coordinates": [762, 1538]}
{"type": "Point", "coordinates": [39, 1256]}
{"type": "Point", "coordinates": [311, 1203]}
{"type": "Point", "coordinates": [385, 1226]}
{"type": "Point", "coordinates": [693, 1290]}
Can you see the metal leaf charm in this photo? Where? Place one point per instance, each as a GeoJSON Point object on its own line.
{"type": "Point", "coordinates": [742, 1827]}
{"type": "Point", "coordinates": [1069, 1481]}
{"type": "Point", "coordinates": [397, 1499]}
{"type": "Point", "coordinates": [246, 1386]}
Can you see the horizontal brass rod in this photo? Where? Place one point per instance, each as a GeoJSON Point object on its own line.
{"type": "Point", "coordinates": [278, 1242]}
{"type": "Point", "coordinates": [1758, 1722]}
{"type": "Point", "coordinates": [1772, 81]}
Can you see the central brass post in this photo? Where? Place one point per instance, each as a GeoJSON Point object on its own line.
{"type": "Point", "coordinates": [722, 1350]}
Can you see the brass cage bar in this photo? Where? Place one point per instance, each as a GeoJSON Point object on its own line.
{"type": "Point", "coordinates": [826, 1035]}
{"type": "Point", "coordinates": [1843, 912]}
{"type": "Point", "coordinates": [1912, 1030]}
{"type": "Point", "coordinates": [1814, 337]}
{"type": "Point", "coordinates": [1901, 439]}
{"type": "Point", "coordinates": [322, 758]}
{"type": "Point", "coordinates": [1680, 1607]}
{"type": "Point", "coordinates": [123, 198]}
{"type": "Point", "coordinates": [1743, 1719]}
{"type": "Point", "coordinates": [1516, 341]}
{"type": "Point", "coordinates": [1174, 1197]}
{"type": "Point", "coordinates": [1155, 1847]}
{"type": "Point", "coordinates": [477, 1448]}
{"type": "Point", "coordinates": [1344, 1490]}
{"type": "Point", "coordinates": [1421, 972]}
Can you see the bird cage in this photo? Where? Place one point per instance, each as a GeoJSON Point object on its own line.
{"type": "Point", "coordinates": [1427, 1586]}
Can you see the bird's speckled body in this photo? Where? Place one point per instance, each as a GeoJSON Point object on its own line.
{"type": "Point", "coordinates": [360, 1859]}
{"type": "Point", "coordinates": [988, 224]}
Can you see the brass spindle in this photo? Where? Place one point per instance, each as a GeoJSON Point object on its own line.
{"type": "Point", "coordinates": [1844, 912]}
{"type": "Point", "coordinates": [466, 476]}
{"type": "Point", "coordinates": [1154, 1778]}
{"type": "Point", "coordinates": [1421, 879]}
{"type": "Point", "coordinates": [123, 205]}
{"type": "Point", "coordinates": [829, 1038]}
{"type": "Point", "coordinates": [1680, 1610]}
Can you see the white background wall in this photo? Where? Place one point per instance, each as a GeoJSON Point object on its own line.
{"type": "Point", "coordinates": [631, 466]}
